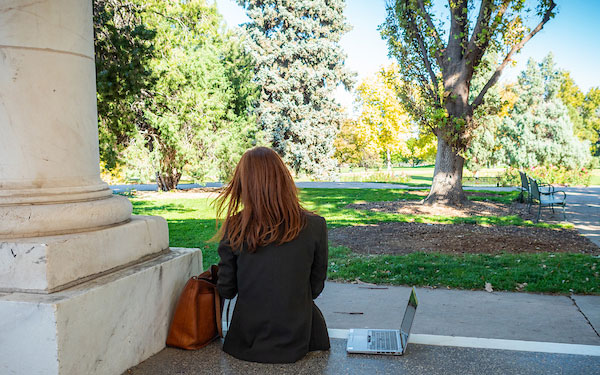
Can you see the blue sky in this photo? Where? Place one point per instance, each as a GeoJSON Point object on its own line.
{"type": "Point", "coordinates": [573, 36]}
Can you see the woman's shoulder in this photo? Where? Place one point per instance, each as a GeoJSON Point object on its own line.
{"type": "Point", "coordinates": [314, 219]}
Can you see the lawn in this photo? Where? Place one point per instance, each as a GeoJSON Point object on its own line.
{"type": "Point", "coordinates": [192, 224]}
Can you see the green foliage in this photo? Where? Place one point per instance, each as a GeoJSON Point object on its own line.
{"type": "Point", "coordinates": [584, 111]}
{"type": "Point", "coordinates": [194, 114]}
{"type": "Point", "coordinates": [123, 49]}
{"type": "Point", "coordinates": [439, 60]}
{"type": "Point", "coordinates": [298, 64]}
{"type": "Point", "coordinates": [538, 129]}
{"type": "Point", "coordinates": [549, 175]}
{"type": "Point", "coordinates": [390, 177]}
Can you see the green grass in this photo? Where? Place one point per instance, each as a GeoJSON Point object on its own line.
{"type": "Point", "coordinates": [330, 203]}
{"type": "Point", "coordinates": [595, 177]}
{"type": "Point", "coordinates": [192, 223]}
{"type": "Point", "coordinates": [543, 272]}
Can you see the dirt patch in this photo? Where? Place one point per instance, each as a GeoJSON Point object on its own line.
{"type": "Point", "coordinates": [405, 238]}
{"type": "Point", "coordinates": [470, 208]}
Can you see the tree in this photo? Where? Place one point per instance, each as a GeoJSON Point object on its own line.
{"type": "Point", "coordinates": [420, 149]}
{"type": "Point", "coordinates": [193, 113]}
{"type": "Point", "coordinates": [353, 148]}
{"type": "Point", "coordinates": [591, 117]}
{"type": "Point", "coordinates": [123, 49]}
{"type": "Point", "coordinates": [382, 122]}
{"type": "Point", "coordinates": [443, 71]}
{"type": "Point", "coordinates": [299, 63]}
{"type": "Point", "coordinates": [583, 111]}
{"type": "Point", "coordinates": [538, 130]}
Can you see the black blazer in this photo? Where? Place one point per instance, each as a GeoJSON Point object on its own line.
{"type": "Point", "coordinates": [275, 319]}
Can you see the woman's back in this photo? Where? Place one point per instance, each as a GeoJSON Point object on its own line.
{"type": "Point", "coordinates": [274, 257]}
{"type": "Point", "coordinates": [275, 319]}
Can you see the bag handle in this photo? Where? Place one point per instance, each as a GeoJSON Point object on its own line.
{"type": "Point", "coordinates": [218, 312]}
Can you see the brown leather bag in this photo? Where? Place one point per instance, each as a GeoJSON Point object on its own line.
{"type": "Point", "coordinates": [197, 318]}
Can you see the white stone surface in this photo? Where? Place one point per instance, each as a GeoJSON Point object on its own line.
{"type": "Point", "coordinates": [48, 120]}
{"type": "Point", "coordinates": [32, 220]}
{"type": "Point", "coordinates": [45, 264]}
{"type": "Point", "coordinates": [104, 326]}
{"type": "Point", "coordinates": [61, 25]}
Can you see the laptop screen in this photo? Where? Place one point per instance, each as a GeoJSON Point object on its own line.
{"type": "Point", "coordinates": [409, 314]}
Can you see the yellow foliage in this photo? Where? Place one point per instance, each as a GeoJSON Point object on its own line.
{"type": "Point", "coordinates": [383, 126]}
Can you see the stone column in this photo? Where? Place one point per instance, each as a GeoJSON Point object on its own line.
{"type": "Point", "coordinates": [49, 165]}
{"type": "Point", "coordinates": [84, 286]}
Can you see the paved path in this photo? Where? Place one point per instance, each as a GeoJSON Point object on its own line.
{"type": "Point", "coordinates": [306, 184]}
{"type": "Point", "coordinates": [454, 332]}
{"type": "Point", "coordinates": [418, 360]}
{"type": "Point", "coordinates": [583, 210]}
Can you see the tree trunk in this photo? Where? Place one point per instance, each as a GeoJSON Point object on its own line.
{"type": "Point", "coordinates": [447, 177]}
{"type": "Point", "coordinates": [167, 181]}
{"type": "Point", "coordinates": [389, 161]}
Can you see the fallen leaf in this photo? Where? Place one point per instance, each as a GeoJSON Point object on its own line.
{"type": "Point", "coordinates": [520, 286]}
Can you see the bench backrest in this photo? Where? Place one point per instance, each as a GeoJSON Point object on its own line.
{"type": "Point", "coordinates": [535, 190]}
{"type": "Point", "coordinates": [524, 182]}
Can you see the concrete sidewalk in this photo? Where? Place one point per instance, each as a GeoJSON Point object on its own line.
{"type": "Point", "coordinates": [496, 315]}
{"type": "Point", "coordinates": [516, 318]}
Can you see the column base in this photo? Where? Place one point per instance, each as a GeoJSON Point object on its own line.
{"type": "Point", "coordinates": [49, 264]}
{"type": "Point", "coordinates": [103, 326]}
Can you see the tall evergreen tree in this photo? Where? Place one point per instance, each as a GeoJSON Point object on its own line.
{"type": "Point", "coordinates": [299, 63]}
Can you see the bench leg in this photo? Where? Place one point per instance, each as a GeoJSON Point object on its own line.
{"type": "Point", "coordinates": [564, 212]}
{"type": "Point", "coordinates": [539, 212]}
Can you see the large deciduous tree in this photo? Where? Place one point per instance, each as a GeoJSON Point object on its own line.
{"type": "Point", "coordinates": [299, 63]}
{"type": "Point", "coordinates": [442, 62]}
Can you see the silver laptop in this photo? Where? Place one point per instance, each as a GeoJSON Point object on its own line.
{"type": "Point", "coordinates": [384, 341]}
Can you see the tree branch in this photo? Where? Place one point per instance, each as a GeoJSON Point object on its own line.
{"type": "Point", "coordinates": [479, 99]}
{"type": "Point", "coordinates": [438, 41]}
{"type": "Point", "coordinates": [424, 55]}
{"type": "Point", "coordinates": [458, 26]}
{"type": "Point", "coordinates": [477, 48]}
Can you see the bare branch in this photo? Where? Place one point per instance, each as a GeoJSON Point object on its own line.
{"type": "Point", "coordinates": [479, 99]}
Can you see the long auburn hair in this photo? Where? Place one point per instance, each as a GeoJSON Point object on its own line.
{"type": "Point", "coordinates": [260, 203]}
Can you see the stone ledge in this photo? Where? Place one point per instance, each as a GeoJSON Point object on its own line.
{"type": "Point", "coordinates": [103, 326]}
{"type": "Point", "coordinates": [49, 264]}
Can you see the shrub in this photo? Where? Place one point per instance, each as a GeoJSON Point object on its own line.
{"type": "Point", "coordinates": [548, 174]}
{"type": "Point", "coordinates": [383, 176]}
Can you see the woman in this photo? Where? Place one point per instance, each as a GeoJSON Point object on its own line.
{"type": "Point", "coordinates": [274, 257]}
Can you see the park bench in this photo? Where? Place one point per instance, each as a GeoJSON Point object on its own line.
{"type": "Point", "coordinates": [526, 188]}
{"type": "Point", "coordinates": [550, 198]}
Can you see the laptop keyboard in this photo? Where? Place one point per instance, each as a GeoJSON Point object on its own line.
{"type": "Point", "coordinates": [384, 340]}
